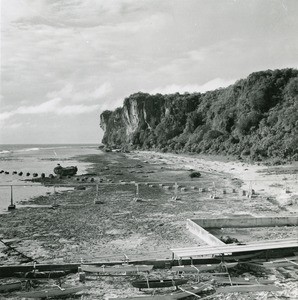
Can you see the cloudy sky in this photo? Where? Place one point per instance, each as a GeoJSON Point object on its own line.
{"type": "Point", "coordinates": [65, 61]}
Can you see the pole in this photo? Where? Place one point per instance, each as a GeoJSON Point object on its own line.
{"type": "Point", "coordinates": [96, 200]}
{"type": "Point", "coordinates": [55, 205]}
{"type": "Point", "coordinates": [11, 196]}
{"type": "Point", "coordinates": [12, 205]}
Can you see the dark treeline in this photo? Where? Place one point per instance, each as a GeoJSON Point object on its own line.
{"type": "Point", "coordinates": [256, 117]}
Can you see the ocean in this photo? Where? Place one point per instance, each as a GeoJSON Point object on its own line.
{"type": "Point", "coordinates": [35, 159]}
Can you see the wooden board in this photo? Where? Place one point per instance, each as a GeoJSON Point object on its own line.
{"type": "Point", "coordinates": [273, 265]}
{"type": "Point", "coordinates": [242, 281]}
{"type": "Point", "coordinates": [116, 269]}
{"type": "Point", "coordinates": [229, 249]}
{"type": "Point", "coordinates": [158, 297]}
{"type": "Point", "coordinates": [248, 288]}
{"type": "Point", "coordinates": [52, 292]}
{"type": "Point", "coordinates": [206, 267]}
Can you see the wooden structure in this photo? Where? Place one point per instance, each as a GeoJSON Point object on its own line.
{"type": "Point", "coordinates": [190, 252]}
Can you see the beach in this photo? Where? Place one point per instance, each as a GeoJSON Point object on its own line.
{"type": "Point", "coordinates": [144, 221]}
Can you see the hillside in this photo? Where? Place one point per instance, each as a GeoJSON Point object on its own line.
{"type": "Point", "coordinates": [256, 117]}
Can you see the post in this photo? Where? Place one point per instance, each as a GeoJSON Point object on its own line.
{"type": "Point", "coordinates": [136, 198]}
{"type": "Point", "coordinates": [12, 205]}
{"type": "Point", "coordinates": [175, 192]}
{"type": "Point", "coordinates": [55, 205]}
{"type": "Point", "coordinates": [96, 200]}
{"type": "Point", "coordinates": [214, 192]}
{"type": "Point", "coordinates": [137, 190]}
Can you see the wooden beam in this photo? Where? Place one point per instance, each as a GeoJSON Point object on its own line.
{"type": "Point", "coordinates": [248, 288]}
{"type": "Point", "coordinates": [228, 249]}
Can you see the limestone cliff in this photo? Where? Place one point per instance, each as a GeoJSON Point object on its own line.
{"type": "Point", "coordinates": [255, 117]}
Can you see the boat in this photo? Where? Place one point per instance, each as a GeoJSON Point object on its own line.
{"type": "Point", "coordinates": [67, 171]}
{"type": "Point", "coordinates": [45, 275]}
{"type": "Point", "coordinates": [207, 267]}
{"type": "Point", "coordinates": [181, 294]}
{"type": "Point", "coordinates": [12, 286]}
{"type": "Point", "coordinates": [158, 283]}
{"type": "Point", "coordinates": [52, 292]}
{"type": "Point", "coordinates": [115, 269]}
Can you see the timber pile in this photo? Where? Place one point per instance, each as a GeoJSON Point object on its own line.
{"type": "Point", "coordinates": [201, 280]}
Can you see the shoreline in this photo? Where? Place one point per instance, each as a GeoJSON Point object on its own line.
{"type": "Point", "coordinates": [145, 225]}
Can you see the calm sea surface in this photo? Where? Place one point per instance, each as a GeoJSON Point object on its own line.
{"type": "Point", "coordinates": [35, 159]}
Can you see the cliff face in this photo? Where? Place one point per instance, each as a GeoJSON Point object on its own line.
{"type": "Point", "coordinates": [256, 117]}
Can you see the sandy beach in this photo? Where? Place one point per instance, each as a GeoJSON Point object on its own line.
{"type": "Point", "coordinates": [148, 222]}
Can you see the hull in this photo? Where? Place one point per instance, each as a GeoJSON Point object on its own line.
{"type": "Point", "coordinates": [8, 287]}
{"type": "Point", "coordinates": [52, 292]}
{"type": "Point", "coordinates": [68, 171]}
{"type": "Point", "coordinates": [144, 284]}
{"type": "Point", "coordinates": [45, 275]}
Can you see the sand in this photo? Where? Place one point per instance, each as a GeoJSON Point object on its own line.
{"type": "Point", "coordinates": [147, 224]}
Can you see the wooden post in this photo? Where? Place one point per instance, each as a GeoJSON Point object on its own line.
{"type": "Point", "coordinates": [12, 205]}
{"type": "Point", "coordinates": [176, 192]}
{"type": "Point", "coordinates": [96, 200]}
{"type": "Point", "coordinates": [55, 205]}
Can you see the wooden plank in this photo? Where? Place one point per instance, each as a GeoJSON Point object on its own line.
{"type": "Point", "coordinates": [291, 258]}
{"type": "Point", "coordinates": [273, 265]}
{"type": "Point", "coordinates": [242, 281]}
{"type": "Point", "coordinates": [158, 297]}
{"type": "Point", "coordinates": [116, 269]}
{"type": "Point", "coordinates": [198, 268]}
{"type": "Point", "coordinates": [248, 288]}
{"type": "Point", "coordinates": [199, 251]}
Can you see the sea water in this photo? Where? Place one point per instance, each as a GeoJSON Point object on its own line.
{"type": "Point", "coordinates": [36, 159]}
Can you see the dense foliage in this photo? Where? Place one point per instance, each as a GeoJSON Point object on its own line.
{"type": "Point", "coordinates": [256, 117]}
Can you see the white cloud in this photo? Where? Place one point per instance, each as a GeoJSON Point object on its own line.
{"type": "Point", "coordinates": [102, 91]}
{"type": "Point", "coordinates": [52, 106]}
{"type": "Point", "coordinates": [45, 107]}
{"type": "Point", "coordinates": [11, 126]}
{"type": "Point", "coordinates": [193, 88]}
{"type": "Point", "coordinates": [6, 115]}
{"type": "Point", "coordinates": [82, 92]}
{"type": "Point", "coordinates": [76, 109]}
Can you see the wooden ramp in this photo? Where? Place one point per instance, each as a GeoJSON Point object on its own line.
{"type": "Point", "coordinates": [229, 249]}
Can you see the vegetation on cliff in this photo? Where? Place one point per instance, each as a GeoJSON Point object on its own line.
{"type": "Point", "coordinates": [256, 117]}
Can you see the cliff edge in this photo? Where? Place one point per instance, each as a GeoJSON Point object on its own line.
{"type": "Point", "coordinates": [256, 117]}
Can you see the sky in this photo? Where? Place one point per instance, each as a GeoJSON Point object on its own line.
{"type": "Point", "coordinates": [63, 62]}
